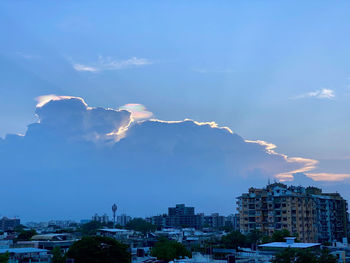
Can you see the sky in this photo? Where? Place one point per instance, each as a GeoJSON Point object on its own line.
{"type": "Point", "coordinates": [273, 72]}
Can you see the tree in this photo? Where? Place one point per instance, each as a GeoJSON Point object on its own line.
{"type": "Point", "coordinates": [57, 256]}
{"type": "Point", "coordinates": [90, 228]}
{"type": "Point", "coordinates": [326, 257]}
{"type": "Point", "coordinates": [97, 249]}
{"type": "Point", "coordinates": [233, 240]}
{"type": "Point", "coordinates": [4, 258]}
{"type": "Point", "coordinates": [265, 239]}
{"type": "Point", "coordinates": [19, 228]}
{"type": "Point", "coordinates": [306, 256]}
{"type": "Point", "coordinates": [290, 255]}
{"type": "Point", "coordinates": [139, 224]}
{"type": "Point", "coordinates": [26, 235]}
{"type": "Point", "coordinates": [169, 250]}
{"type": "Point", "coordinates": [285, 256]}
{"type": "Point", "coordinates": [254, 236]}
{"type": "Point", "coordinates": [279, 235]}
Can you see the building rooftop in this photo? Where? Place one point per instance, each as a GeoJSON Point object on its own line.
{"type": "Point", "coordinates": [289, 243]}
{"type": "Point", "coordinates": [114, 230]}
{"type": "Point", "coordinates": [52, 236]}
{"type": "Point", "coordinates": [22, 250]}
{"type": "Point", "coordinates": [286, 245]}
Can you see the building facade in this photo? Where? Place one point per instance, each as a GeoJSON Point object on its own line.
{"type": "Point", "coordinates": [308, 213]}
{"type": "Point", "coordinates": [104, 219]}
{"type": "Point", "coordinates": [7, 224]}
{"type": "Point", "coordinates": [181, 216]}
{"type": "Point", "coordinates": [123, 219]}
{"type": "Point", "coordinates": [214, 221]}
{"type": "Point", "coordinates": [232, 221]}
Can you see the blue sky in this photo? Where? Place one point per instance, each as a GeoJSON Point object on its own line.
{"type": "Point", "coordinates": [276, 71]}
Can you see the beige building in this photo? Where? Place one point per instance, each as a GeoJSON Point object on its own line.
{"type": "Point", "coordinates": [297, 209]}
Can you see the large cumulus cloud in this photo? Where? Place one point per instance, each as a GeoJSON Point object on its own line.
{"type": "Point", "coordinates": [77, 160]}
{"type": "Point", "coordinates": [70, 117]}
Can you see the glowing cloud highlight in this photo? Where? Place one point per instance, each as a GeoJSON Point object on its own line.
{"type": "Point", "coordinates": [138, 111]}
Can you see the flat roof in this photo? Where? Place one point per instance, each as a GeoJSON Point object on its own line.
{"type": "Point", "coordinates": [114, 230]}
{"type": "Point", "coordinates": [285, 245]}
{"type": "Point", "coordinates": [22, 250]}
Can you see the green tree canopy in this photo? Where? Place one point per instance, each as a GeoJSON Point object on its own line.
{"type": "Point", "coordinates": [26, 235]}
{"type": "Point", "coordinates": [254, 236]}
{"type": "Point", "coordinates": [139, 224]}
{"type": "Point", "coordinates": [326, 257]}
{"type": "Point", "coordinates": [233, 240]}
{"type": "Point", "coordinates": [57, 256]}
{"type": "Point", "coordinates": [290, 255]}
{"type": "Point", "coordinates": [90, 228]}
{"type": "Point", "coordinates": [279, 235]}
{"type": "Point", "coordinates": [4, 258]}
{"type": "Point", "coordinates": [169, 250]}
{"type": "Point", "coordinates": [97, 249]}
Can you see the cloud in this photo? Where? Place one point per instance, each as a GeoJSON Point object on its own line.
{"type": "Point", "coordinates": [42, 100]}
{"type": "Point", "coordinates": [108, 63]}
{"type": "Point", "coordinates": [328, 176]}
{"type": "Point", "coordinates": [138, 111]}
{"type": "Point", "coordinates": [318, 94]}
{"type": "Point", "coordinates": [76, 153]}
{"type": "Point", "coordinates": [27, 56]}
{"type": "Point", "coordinates": [81, 67]}
{"type": "Point", "coordinates": [205, 70]}
{"type": "Point", "coordinates": [71, 118]}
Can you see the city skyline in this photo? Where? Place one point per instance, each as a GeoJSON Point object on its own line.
{"type": "Point", "coordinates": [158, 103]}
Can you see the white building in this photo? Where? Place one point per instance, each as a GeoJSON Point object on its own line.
{"type": "Point", "coordinates": [123, 219]}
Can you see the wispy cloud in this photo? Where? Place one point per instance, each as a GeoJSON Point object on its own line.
{"type": "Point", "coordinates": [108, 63]}
{"type": "Point", "coordinates": [27, 56]}
{"type": "Point", "coordinates": [318, 94]}
{"type": "Point", "coordinates": [328, 176]}
{"type": "Point", "coordinates": [299, 164]}
{"type": "Point", "coordinates": [205, 70]}
{"type": "Point", "coordinates": [81, 67]}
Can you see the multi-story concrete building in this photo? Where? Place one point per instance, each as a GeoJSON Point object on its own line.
{"type": "Point", "coordinates": [214, 221]}
{"type": "Point", "coordinates": [182, 216]}
{"type": "Point", "coordinates": [306, 212]}
{"type": "Point", "coordinates": [232, 221]}
{"type": "Point", "coordinates": [123, 219]}
{"type": "Point", "coordinates": [159, 221]}
{"type": "Point", "coordinates": [102, 219]}
{"type": "Point", "coordinates": [7, 224]}
{"type": "Point", "coordinates": [331, 215]}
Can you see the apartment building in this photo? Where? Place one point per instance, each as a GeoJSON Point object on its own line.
{"type": "Point", "coordinates": [182, 216]}
{"type": "Point", "coordinates": [7, 224]}
{"type": "Point", "coordinates": [306, 212]}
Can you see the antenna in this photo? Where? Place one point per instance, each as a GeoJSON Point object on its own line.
{"type": "Point", "coordinates": [114, 209]}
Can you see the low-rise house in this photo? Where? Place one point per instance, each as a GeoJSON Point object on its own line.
{"type": "Point", "coordinates": [49, 241]}
{"type": "Point", "coordinates": [28, 254]}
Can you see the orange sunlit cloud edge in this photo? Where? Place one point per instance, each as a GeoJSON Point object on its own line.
{"type": "Point", "coordinates": [140, 113]}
